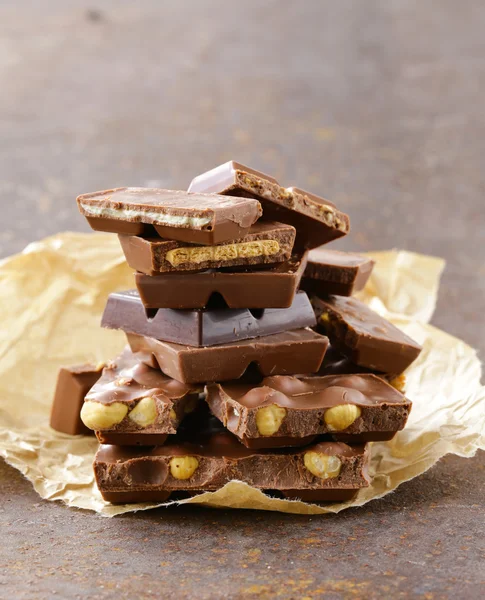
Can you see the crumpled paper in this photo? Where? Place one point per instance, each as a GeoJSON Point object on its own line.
{"type": "Point", "coordinates": [51, 300]}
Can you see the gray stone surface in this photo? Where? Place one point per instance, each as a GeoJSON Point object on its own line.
{"type": "Point", "coordinates": [378, 106]}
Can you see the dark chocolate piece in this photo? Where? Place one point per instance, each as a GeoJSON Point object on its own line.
{"type": "Point", "coordinates": [299, 351]}
{"type": "Point", "coordinates": [334, 272]}
{"type": "Point", "coordinates": [176, 215]}
{"type": "Point", "coordinates": [130, 398]}
{"type": "Point", "coordinates": [265, 243]}
{"type": "Point", "coordinates": [205, 461]}
{"type": "Point", "coordinates": [73, 383]}
{"type": "Point", "coordinates": [271, 288]}
{"type": "Point", "coordinates": [282, 408]}
{"type": "Point", "coordinates": [204, 327]}
{"type": "Point", "coordinates": [365, 337]}
{"type": "Point", "coordinates": [316, 220]}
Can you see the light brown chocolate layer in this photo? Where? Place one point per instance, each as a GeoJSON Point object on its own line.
{"type": "Point", "coordinates": [265, 243]}
{"type": "Point", "coordinates": [177, 215]}
{"type": "Point", "coordinates": [316, 220]}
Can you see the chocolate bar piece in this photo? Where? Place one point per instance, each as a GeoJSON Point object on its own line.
{"type": "Point", "coordinates": [266, 243]}
{"type": "Point", "coordinates": [335, 363]}
{"type": "Point", "coordinates": [271, 288]}
{"type": "Point", "coordinates": [175, 215]}
{"type": "Point", "coordinates": [365, 337]}
{"type": "Point", "coordinates": [290, 411]}
{"type": "Point", "coordinates": [316, 220]}
{"type": "Point", "coordinates": [73, 383]}
{"type": "Point", "coordinates": [134, 404]}
{"type": "Point", "coordinates": [207, 460]}
{"type": "Point", "coordinates": [204, 327]}
{"type": "Point", "coordinates": [334, 272]}
{"type": "Point", "coordinates": [299, 351]}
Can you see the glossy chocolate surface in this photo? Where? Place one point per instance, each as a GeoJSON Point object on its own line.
{"type": "Point", "coordinates": [299, 351]}
{"type": "Point", "coordinates": [264, 244]}
{"type": "Point", "coordinates": [127, 380]}
{"type": "Point", "coordinates": [204, 327]}
{"type": "Point", "coordinates": [73, 383]}
{"type": "Point", "coordinates": [316, 220]}
{"type": "Point", "coordinates": [383, 409]}
{"type": "Point", "coordinates": [334, 272]}
{"type": "Point", "coordinates": [194, 218]}
{"type": "Point", "coordinates": [365, 337]}
{"type": "Point", "coordinates": [274, 287]}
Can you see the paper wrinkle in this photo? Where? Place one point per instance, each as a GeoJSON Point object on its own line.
{"type": "Point", "coordinates": [52, 297]}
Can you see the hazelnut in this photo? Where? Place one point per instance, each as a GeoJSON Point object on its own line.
{"type": "Point", "coordinates": [399, 382]}
{"type": "Point", "coordinates": [321, 465]}
{"type": "Point", "coordinates": [173, 414]}
{"type": "Point", "coordinates": [96, 415]}
{"type": "Point", "coordinates": [183, 467]}
{"type": "Point", "coordinates": [269, 419]}
{"type": "Point", "coordinates": [144, 413]}
{"type": "Point", "coordinates": [342, 416]}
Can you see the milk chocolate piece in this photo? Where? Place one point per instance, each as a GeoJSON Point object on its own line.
{"type": "Point", "coordinates": [299, 351]}
{"type": "Point", "coordinates": [272, 288]}
{"type": "Point", "coordinates": [73, 383]}
{"type": "Point", "coordinates": [134, 404]}
{"type": "Point", "coordinates": [176, 215]}
{"type": "Point", "coordinates": [204, 327]}
{"type": "Point", "coordinates": [207, 460]}
{"type": "Point", "coordinates": [335, 363]}
{"type": "Point", "coordinates": [286, 408]}
{"type": "Point", "coordinates": [334, 272]}
{"type": "Point", "coordinates": [365, 337]}
{"type": "Point", "coordinates": [317, 221]}
{"type": "Point", "coordinates": [266, 243]}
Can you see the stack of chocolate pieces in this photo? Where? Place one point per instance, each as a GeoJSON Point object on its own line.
{"type": "Point", "coordinates": [227, 374]}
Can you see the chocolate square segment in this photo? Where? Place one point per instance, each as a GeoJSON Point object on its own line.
{"type": "Point", "coordinates": [204, 327]}
{"type": "Point", "coordinates": [365, 337]}
{"type": "Point", "coordinates": [289, 411]}
{"type": "Point", "coordinates": [274, 287]}
{"type": "Point", "coordinates": [208, 458]}
{"type": "Point", "coordinates": [266, 243]}
{"type": "Point", "coordinates": [132, 404]}
{"type": "Point", "coordinates": [299, 351]}
{"type": "Point", "coordinates": [334, 272]}
{"type": "Point", "coordinates": [317, 221]}
{"type": "Point", "coordinates": [176, 215]}
{"type": "Point", "coordinates": [73, 383]}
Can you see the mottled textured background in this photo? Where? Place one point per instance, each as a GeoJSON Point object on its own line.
{"type": "Point", "coordinates": [376, 105]}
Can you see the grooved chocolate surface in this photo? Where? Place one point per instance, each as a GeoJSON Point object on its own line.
{"type": "Point", "coordinates": [221, 458]}
{"type": "Point", "coordinates": [152, 255]}
{"type": "Point", "coordinates": [364, 336]}
{"type": "Point", "coordinates": [269, 288]}
{"type": "Point", "coordinates": [334, 272]}
{"type": "Point", "coordinates": [384, 410]}
{"type": "Point", "coordinates": [127, 380]}
{"type": "Point", "coordinates": [316, 220]}
{"type": "Point", "coordinates": [299, 351]}
{"type": "Point", "coordinates": [204, 327]}
{"type": "Point", "coordinates": [197, 218]}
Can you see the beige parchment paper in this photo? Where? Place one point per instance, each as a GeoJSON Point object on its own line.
{"type": "Point", "coordinates": [51, 300]}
